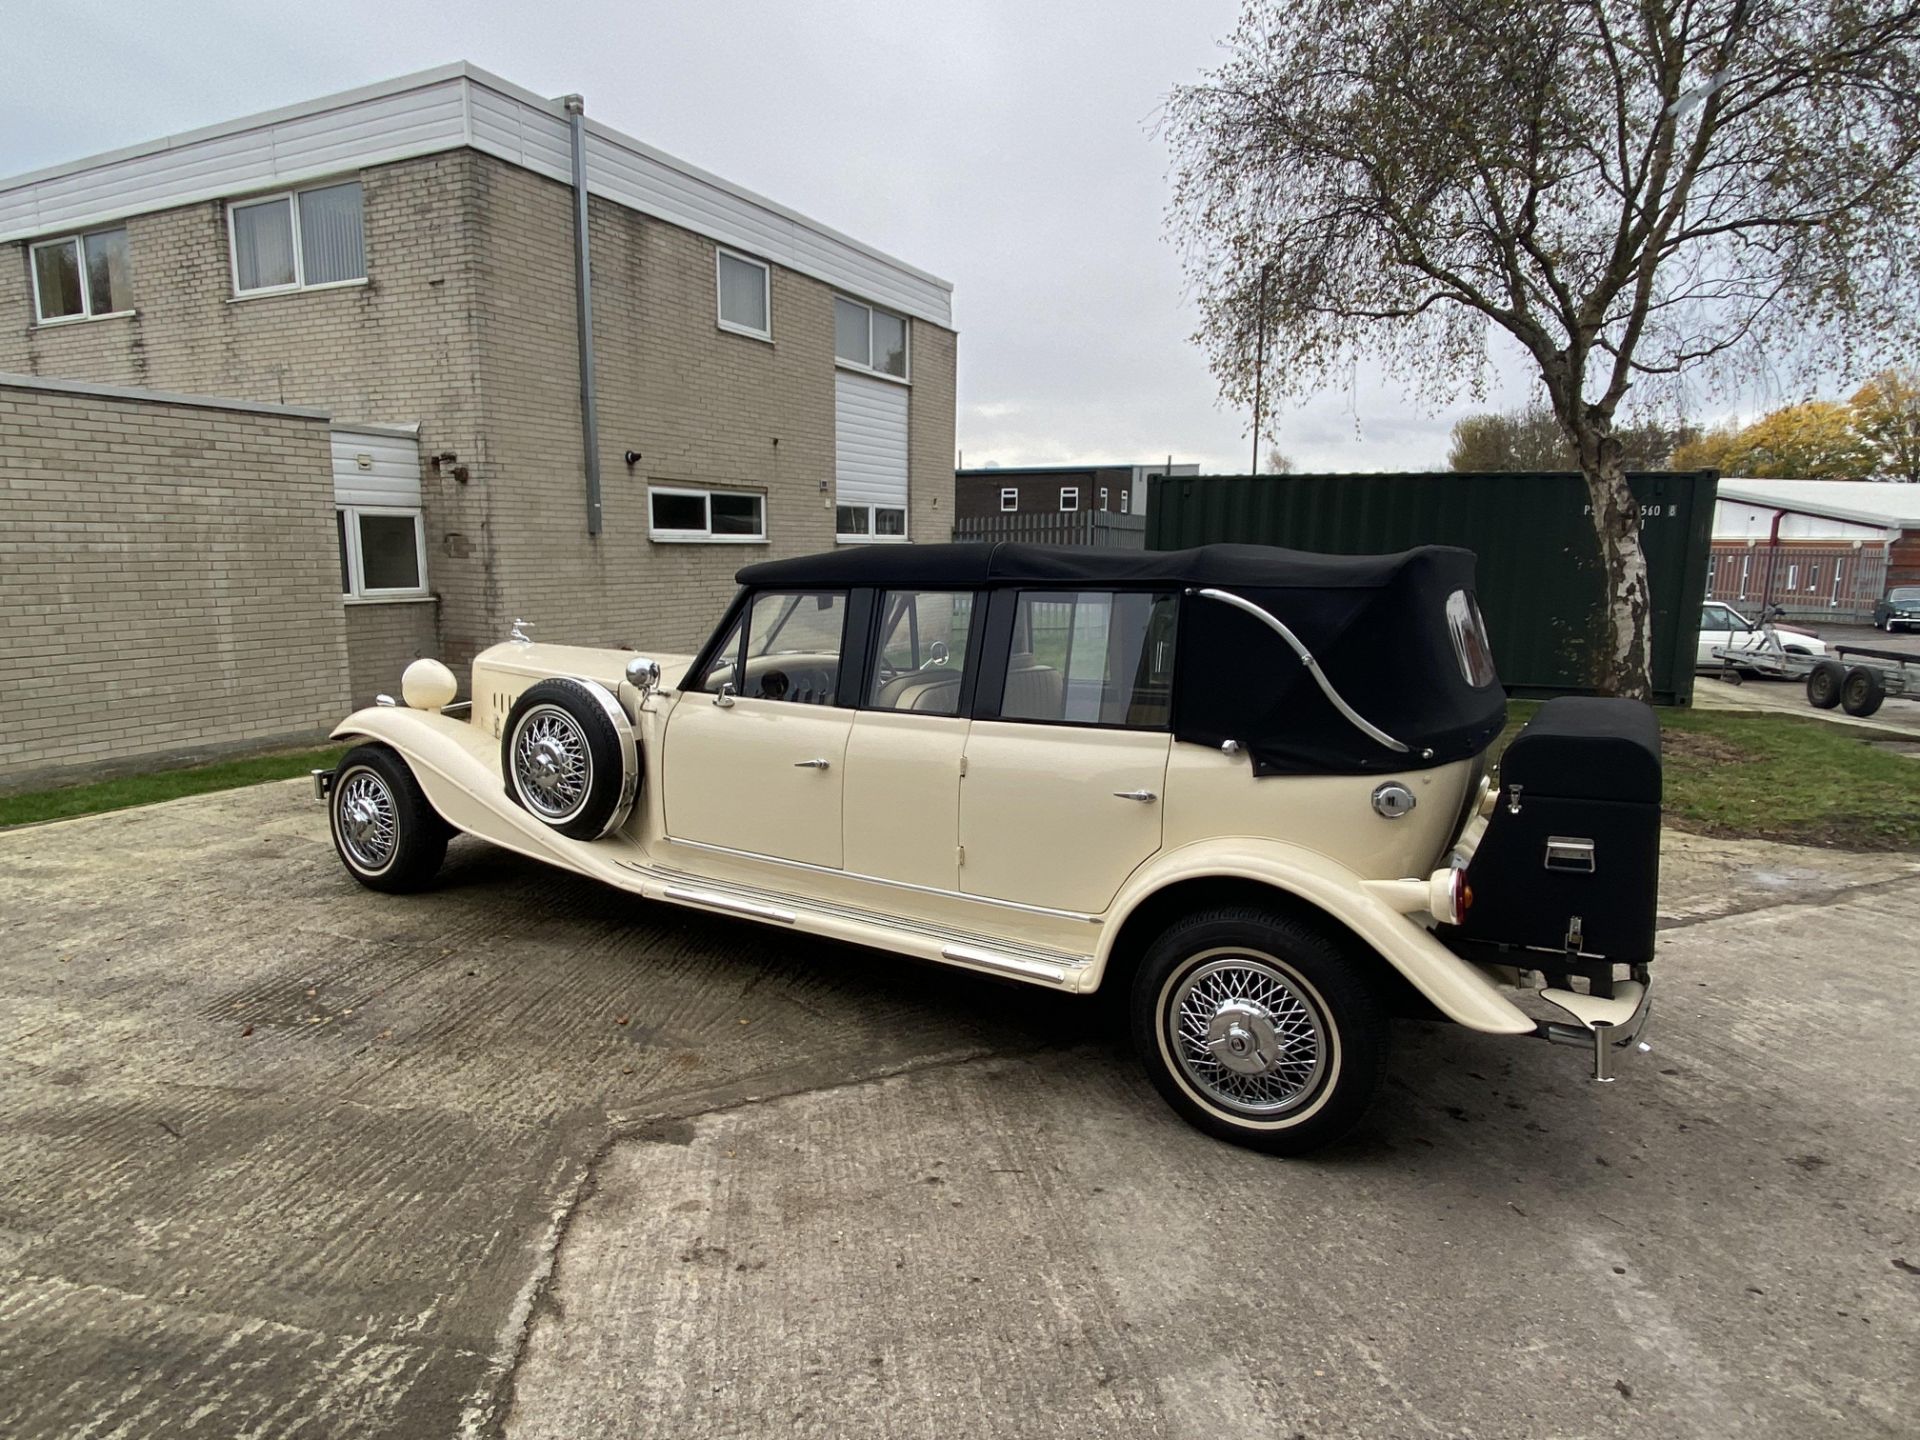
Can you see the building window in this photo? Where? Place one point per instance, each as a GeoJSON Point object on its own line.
{"type": "Point", "coordinates": [383, 552]}
{"type": "Point", "coordinates": [869, 338]}
{"type": "Point", "coordinates": [303, 239]}
{"type": "Point", "coordinates": [870, 522]}
{"type": "Point", "coordinates": [746, 295]}
{"type": "Point", "coordinates": [1069, 497]}
{"type": "Point", "coordinates": [1009, 500]}
{"type": "Point", "coordinates": [719, 517]}
{"type": "Point", "coordinates": [82, 277]}
{"type": "Point", "coordinates": [1103, 497]}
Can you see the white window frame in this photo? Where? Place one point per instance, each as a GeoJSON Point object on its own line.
{"type": "Point", "coordinates": [906, 324]}
{"type": "Point", "coordinates": [870, 538]}
{"type": "Point", "coordinates": [1069, 499]}
{"type": "Point", "coordinates": [1009, 501]}
{"type": "Point", "coordinates": [1103, 497]}
{"type": "Point", "coordinates": [766, 286]}
{"type": "Point", "coordinates": [289, 198]}
{"type": "Point", "coordinates": [357, 589]}
{"type": "Point", "coordinates": [703, 536]}
{"type": "Point", "coordinates": [78, 239]}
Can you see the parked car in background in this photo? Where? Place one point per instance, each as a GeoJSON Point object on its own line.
{"type": "Point", "coordinates": [1725, 628]}
{"type": "Point", "coordinates": [1900, 606]}
{"type": "Point", "coordinates": [1245, 788]}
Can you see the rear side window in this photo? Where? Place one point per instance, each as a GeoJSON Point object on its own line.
{"type": "Point", "coordinates": [1470, 644]}
{"type": "Point", "coordinates": [1091, 658]}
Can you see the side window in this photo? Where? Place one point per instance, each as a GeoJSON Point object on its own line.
{"type": "Point", "coordinates": [1091, 658]}
{"type": "Point", "coordinates": [793, 647]}
{"type": "Point", "coordinates": [923, 651]}
{"type": "Point", "coordinates": [1716, 617]}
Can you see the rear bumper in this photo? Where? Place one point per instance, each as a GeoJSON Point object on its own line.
{"type": "Point", "coordinates": [1599, 1024]}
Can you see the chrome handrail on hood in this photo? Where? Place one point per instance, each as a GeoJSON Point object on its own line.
{"type": "Point", "coordinates": [1354, 717]}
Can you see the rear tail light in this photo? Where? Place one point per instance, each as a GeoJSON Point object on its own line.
{"type": "Point", "coordinates": [1449, 897]}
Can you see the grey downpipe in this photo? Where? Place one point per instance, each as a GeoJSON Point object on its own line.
{"type": "Point", "coordinates": [1354, 717]}
{"type": "Point", "coordinates": [576, 108]}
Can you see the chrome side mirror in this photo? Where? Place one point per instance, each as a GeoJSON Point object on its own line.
{"type": "Point", "coordinates": [724, 699]}
{"type": "Point", "coordinates": [937, 653]}
{"type": "Point", "coordinates": [644, 675]}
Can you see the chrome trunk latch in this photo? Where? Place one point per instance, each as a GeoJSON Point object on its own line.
{"type": "Point", "coordinates": [1574, 938]}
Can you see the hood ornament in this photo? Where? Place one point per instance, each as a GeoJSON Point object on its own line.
{"type": "Point", "coordinates": [519, 635]}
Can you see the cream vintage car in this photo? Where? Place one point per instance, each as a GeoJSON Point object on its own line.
{"type": "Point", "coordinates": [1244, 787]}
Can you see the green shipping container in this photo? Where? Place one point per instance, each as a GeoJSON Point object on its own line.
{"type": "Point", "coordinates": [1539, 566]}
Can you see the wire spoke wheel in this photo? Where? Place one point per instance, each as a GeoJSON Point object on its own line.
{"type": "Point", "coordinates": [368, 820]}
{"type": "Point", "coordinates": [1249, 1036]}
{"type": "Point", "coordinates": [552, 766]}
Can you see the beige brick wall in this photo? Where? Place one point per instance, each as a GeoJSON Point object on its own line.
{"type": "Point", "coordinates": [382, 640]}
{"type": "Point", "coordinates": [168, 580]}
{"type": "Point", "coordinates": [467, 326]}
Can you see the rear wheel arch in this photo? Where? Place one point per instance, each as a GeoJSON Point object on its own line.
{"type": "Point", "coordinates": [1160, 910]}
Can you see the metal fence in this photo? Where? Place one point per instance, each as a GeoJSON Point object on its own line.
{"type": "Point", "coordinates": [1104, 528]}
{"type": "Point", "coordinates": [1811, 582]}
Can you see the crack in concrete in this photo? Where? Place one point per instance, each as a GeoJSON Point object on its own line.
{"type": "Point", "coordinates": [1824, 898]}
{"type": "Point", "coordinates": [489, 1409]}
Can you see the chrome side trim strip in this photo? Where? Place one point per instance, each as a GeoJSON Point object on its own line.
{"type": "Point", "coordinates": [877, 880]}
{"type": "Point", "coordinates": [1008, 964]}
{"type": "Point", "coordinates": [714, 900]}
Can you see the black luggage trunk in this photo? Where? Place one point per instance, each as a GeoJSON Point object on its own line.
{"type": "Point", "coordinates": [1570, 861]}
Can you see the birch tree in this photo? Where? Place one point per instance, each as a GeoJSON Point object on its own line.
{"type": "Point", "coordinates": [1637, 193]}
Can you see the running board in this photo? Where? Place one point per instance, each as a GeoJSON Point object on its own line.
{"type": "Point", "coordinates": [1010, 958]}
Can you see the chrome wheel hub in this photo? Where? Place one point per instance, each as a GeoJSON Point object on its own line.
{"type": "Point", "coordinates": [369, 826]}
{"type": "Point", "coordinates": [550, 762]}
{"type": "Point", "coordinates": [1248, 1034]}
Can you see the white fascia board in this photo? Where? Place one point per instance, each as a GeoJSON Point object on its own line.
{"type": "Point", "coordinates": [432, 111]}
{"type": "Point", "coordinates": [1803, 502]}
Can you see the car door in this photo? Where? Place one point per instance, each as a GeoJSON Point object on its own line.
{"type": "Point", "coordinates": [755, 748]}
{"type": "Point", "coordinates": [902, 801]}
{"type": "Point", "coordinates": [1716, 628]}
{"type": "Point", "coordinates": [1065, 764]}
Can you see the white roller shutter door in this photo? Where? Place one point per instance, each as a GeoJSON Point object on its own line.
{"type": "Point", "coordinates": [869, 441]}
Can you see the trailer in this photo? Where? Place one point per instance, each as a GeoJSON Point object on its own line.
{"type": "Point", "coordinates": [1855, 678]}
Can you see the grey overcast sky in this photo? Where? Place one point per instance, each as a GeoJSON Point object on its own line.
{"type": "Point", "coordinates": [1002, 144]}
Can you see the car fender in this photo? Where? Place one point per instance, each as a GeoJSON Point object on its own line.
{"type": "Point", "coordinates": [457, 765]}
{"type": "Point", "coordinates": [1460, 991]}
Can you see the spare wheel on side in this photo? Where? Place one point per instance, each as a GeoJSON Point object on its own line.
{"type": "Point", "coordinates": [568, 754]}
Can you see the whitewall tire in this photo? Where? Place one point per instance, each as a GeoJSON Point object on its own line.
{"type": "Point", "coordinates": [1257, 1030]}
{"type": "Point", "coordinates": [385, 830]}
{"type": "Point", "coordinates": [568, 755]}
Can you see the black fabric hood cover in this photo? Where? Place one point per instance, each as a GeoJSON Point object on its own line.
{"type": "Point", "coordinates": [1385, 647]}
{"type": "Point", "coordinates": [980, 564]}
{"type": "Point", "coordinates": [1376, 623]}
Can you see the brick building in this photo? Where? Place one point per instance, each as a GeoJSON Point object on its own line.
{"type": "Point", "coordinates": [402, 260]}
{"type": "Point", "coordinates": [1119, 489]}
{"type": "Point", "coordinates": [167, 571]}
{"type": "Point", "coordinates": [1820, 548]}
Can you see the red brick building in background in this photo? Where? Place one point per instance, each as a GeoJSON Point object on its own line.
{"type": "Point", "coordinates": [1820, 548]}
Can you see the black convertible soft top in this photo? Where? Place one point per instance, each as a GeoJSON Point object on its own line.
{"type": "Point", "coordinates": [1377, 625]}
{"type": "Point", "coordinates": [984, 564]}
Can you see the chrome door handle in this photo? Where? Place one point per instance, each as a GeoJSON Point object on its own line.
{"type": "Point", "coordinates": [1145, 797]}
{"type": "Point", "coordinates": [811, 765]}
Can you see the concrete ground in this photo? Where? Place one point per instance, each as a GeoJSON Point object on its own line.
{"type": "Point", "coordinates": [282, 1157]}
